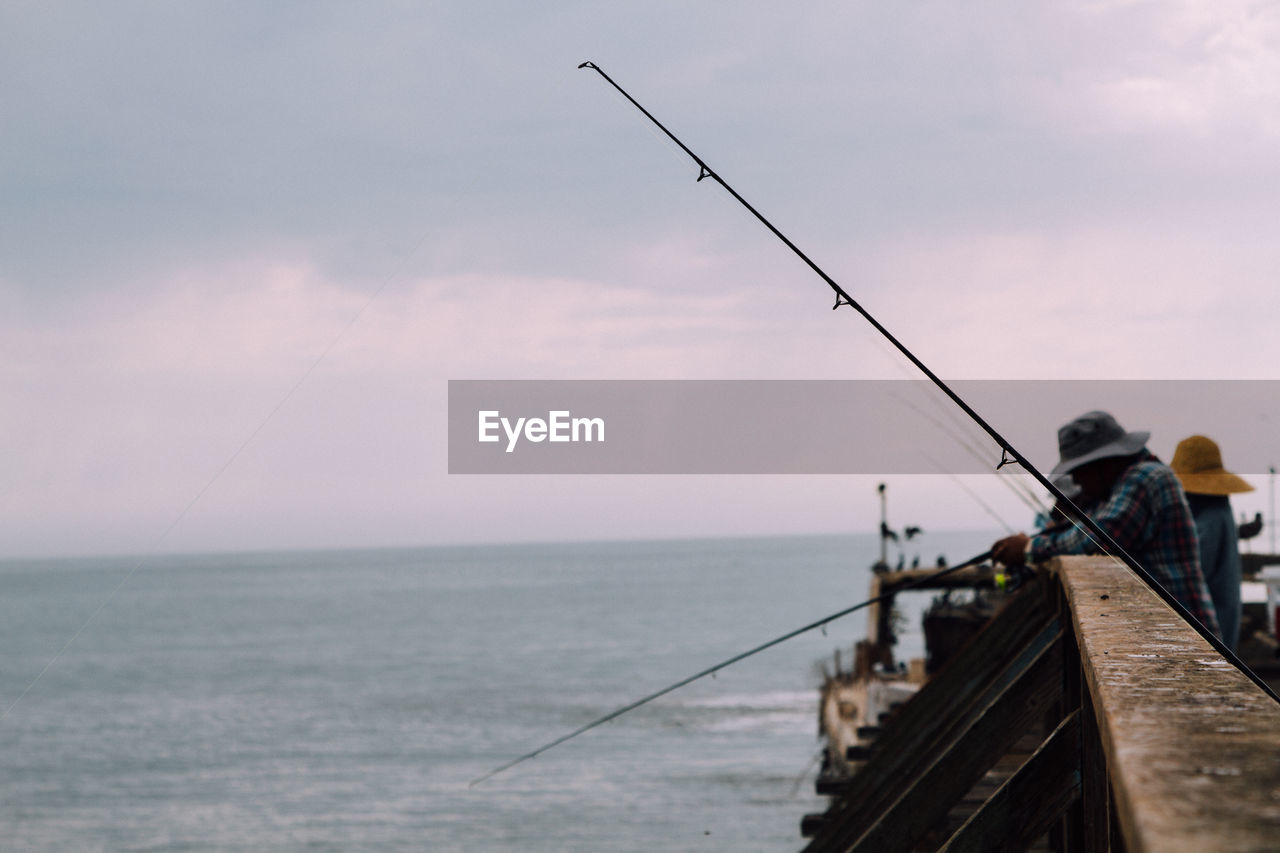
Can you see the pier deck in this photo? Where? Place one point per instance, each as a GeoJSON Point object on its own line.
{"type": "Point", "coordinates": [1142, 738]}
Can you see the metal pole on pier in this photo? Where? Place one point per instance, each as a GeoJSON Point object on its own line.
{"type": "Point", "coordinates": [884, 525]}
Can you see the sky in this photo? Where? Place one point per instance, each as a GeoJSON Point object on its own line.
{"type": "Point", "coordinates": [244, 247]}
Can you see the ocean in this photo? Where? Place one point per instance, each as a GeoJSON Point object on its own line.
{"type": "Point", "coordinates": [343, 701]}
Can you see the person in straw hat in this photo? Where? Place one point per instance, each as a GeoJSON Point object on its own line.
{"type": "Point", "coordinates": [1198, 463]}
{"type": "Point", "coordinates": [1135, 499]}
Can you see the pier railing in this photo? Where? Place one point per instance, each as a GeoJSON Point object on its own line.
{"type": "Point", "coordinates": [1085, 717]}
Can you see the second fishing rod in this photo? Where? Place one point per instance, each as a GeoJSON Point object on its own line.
{"type": "Point", "coordinates": [1009, 454]}
{"type": "Point", "coordinates": [917, 582]}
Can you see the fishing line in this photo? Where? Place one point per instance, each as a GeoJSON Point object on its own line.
{"type": "Point", "coordinates": [804, 774]}
{"type": "Point", "coordinates": [1020, 490]}
{"type": "Point", "coordinates": [1009, 455]}
{"type": "Point", "coordinates": [991, 512]}
{"type": "Point", "coordinates": [821, 623]}
{"type": "Point", "coordinates": [253, 434]}
{"type": "Point", "coordinates": [961, 431]}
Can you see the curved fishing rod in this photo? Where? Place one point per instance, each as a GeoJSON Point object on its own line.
{"type": "Point", "coordinates": [821, 623]}
{"type": "Point", "coordinates": [1008, 453]}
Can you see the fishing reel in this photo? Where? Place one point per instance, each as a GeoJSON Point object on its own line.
{"type": "Point", "coordinates": [1010, 578]}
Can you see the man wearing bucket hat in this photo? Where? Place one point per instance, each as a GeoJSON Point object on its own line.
{"type": "Point", "coordinates": [1198, 463]}
{"type": "Point", "coordinates": [1136, 500]}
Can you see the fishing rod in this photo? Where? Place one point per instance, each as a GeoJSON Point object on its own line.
{"type": "Point", "coordinates": [821, 623]}
{"type": "Point", "coordinates": [1009, 455]}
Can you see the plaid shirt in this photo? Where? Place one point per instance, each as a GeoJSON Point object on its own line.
{"type": "Point", "coordinates": [1147, 515]}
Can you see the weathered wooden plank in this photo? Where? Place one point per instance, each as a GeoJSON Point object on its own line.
{"type": "Point", "coordinates": [827, 786]}
{"type": "Point", "coordinates": [1010, 708]}
{"type": "Point", "coordinates": [874, 615]}
{"type": "Point", "coordinates": [811, 825]}
{"type": "Point", "coordinates": [1067, 835]}
{"type": "Point", "coordinates": [934, 724]}
{"type": "Point", "coordinates": [966, 578]}
{"type": "Point", "coordinates": [1031, 800]}
{"type": "Point", "coordinates": [1251, 564]}
{"type": "Point", "coordinates": [1095, 789]}
{"type": "Point", "coordinates": [919, 729]}
{"type": "Point", "coordinates": [1192, 746]}
{"type": "Point", "coordinates": [919, 719]}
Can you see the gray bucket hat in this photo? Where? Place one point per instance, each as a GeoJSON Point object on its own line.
{"type": "Point", "coordinates": [1065, 484]}
{"type": "Point", "coordinates": [1094, 435]}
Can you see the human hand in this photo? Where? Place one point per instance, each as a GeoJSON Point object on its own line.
{"type": "Point", "coordinates": [1011, 550]}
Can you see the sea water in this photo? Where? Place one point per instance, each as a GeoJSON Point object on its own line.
{"type": "Point", "coordinates": [342, 701]}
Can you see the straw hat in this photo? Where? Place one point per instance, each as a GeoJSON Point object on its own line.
{"type": "Point", "coordinates": [1094, 435]}
{"type": "Point", "coordinates": [1198, 464]}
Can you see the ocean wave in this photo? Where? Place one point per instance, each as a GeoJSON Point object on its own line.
{"type": "Point", "coordinates": [764, 701]}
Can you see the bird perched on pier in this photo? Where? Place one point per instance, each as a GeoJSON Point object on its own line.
{"type": "Point", "coordinates": [1250, 529]}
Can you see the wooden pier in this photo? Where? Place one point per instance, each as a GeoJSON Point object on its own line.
{"type": "Point", "coordinates": [1086, 716]}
